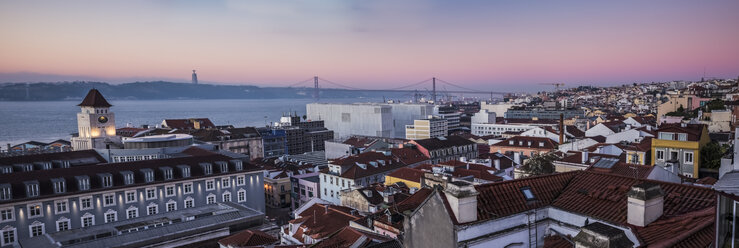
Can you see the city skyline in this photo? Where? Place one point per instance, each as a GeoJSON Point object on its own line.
{"type": "Point", "coordinates": [375, 44]}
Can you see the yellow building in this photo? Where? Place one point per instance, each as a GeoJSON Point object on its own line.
{"type": "Point", "coordinates": [409, 176]}
{"type": "Point", "coordinates": [427, 128]}
{"type": "Point", "coordinates": [677, 147]}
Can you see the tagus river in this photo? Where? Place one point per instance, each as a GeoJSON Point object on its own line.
{"type": "Point", "coordinates": [51, 120]}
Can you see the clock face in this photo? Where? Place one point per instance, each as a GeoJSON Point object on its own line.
{"type": "Point", "coordinates": [102, 119]}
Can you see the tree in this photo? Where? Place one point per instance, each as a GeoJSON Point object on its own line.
{"type": "Point", "coordinates": [539, 165]}
{"type": "Point", "coordinates": [305, 117]}
{"type": "Point", "coordinates": [711, 155]}
{"type": "Point", "coordinates": [715, 104]}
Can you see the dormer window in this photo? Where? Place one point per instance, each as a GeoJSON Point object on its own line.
{"type": "Point", "coordinates": [148, 175]}
{"type": "Point", "coordinates": [541, 144]}
{"type": "Point", "coordinates": [32, 188]}
{"type": "Point", "coordinates": [167, 172]}
{"type": "Point", "coordinates": [224, 166]}
{"type": "Point", "coordinates": [60, 185]}
{"type": "Point", "coordinates": [44, 165]}
{"type": "Point", "coordinates": [666, 136]}
{"type": "Point", "coordinates": [184, 170]}
{"type": "Point", "coordinates": [6, 169]}
{"type": "Point", "coordinates": [238, 165]}
{"type": "Point", "coordinates": [6, 192]}
{"type": "Point", "coordinates": [106, 180]}
{"type": "Point", "coordinates": [127, 177]}
{"type": "Point", "coordinates": [26, 167]}
{"type": "Point", "coordinates": [682, 137]}
{"type": "Point", "coordinates": [83, 182]}
{"type": "Point", "coordinates": [207, 168]}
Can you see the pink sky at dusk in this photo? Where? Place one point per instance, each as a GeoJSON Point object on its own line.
{"type": "Point", "coordinates": [371, 44]}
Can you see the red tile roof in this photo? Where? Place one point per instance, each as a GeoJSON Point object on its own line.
{"type": "Point", "coordinates": [410, 174]}
{"type": "Point", "coordinates": [358, 142]}
{"type": "Point", "coordinates": [528, 142]}
{"type": "Point", "coordinates": [348, 236]}
{"type": "Point", "coordinates": [688, 210]}
{"type": "Point", "coordinates": [626, 170]}
{"type": "Point", "coordinates": [189, 123]}
{"type": "Point", "coordinates": [354, 171]}
{"type": "Point", "coordinates": [408, 155]}
{"type": "Point", "coordinates": [248, 238]}
{"type": "Point", "coordinates": [94, 99]}
{"type": "Point", "coordinates": [319, 221]}
{"type": "Point", "coordinates": [442, 142]}
{"type": "Point", "coordinates": [693, 131]}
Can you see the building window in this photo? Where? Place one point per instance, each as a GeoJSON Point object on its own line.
{"type": "Point", "coordinates": [666, 136]}
{"type": "Point", "coordinates": [62, 224]}
{"type": "Point", "coordinates": [32, 189]}
{"type": "Point", "coordinates": [682, 136]}
{"type": "Point", "coordinates": [34, 210]}
{"type": "Point", "coordinates": [36, 229]}
{"type": "Point", "coordinates": [61, 206]}
{"type": "Point", "coordinates": [688, 157]}
{"type": "Point", "coordinates": [59, 185]}
{"type": "Point", "coordinates": [189, 202]}
{"type": "Point", "coordinates": [225, 182]}
{"type": "Point", "coordinates": [241, 195]}
{"type": "Point", "coordinates": [132, 212]}
{"type": "Point", "coordinates": [111, 216]}
{"type": "Point", "coordinates": [169, 190]}
{"type": "Point", "coordinates": [107, 181]}
{"type": "Point", "coordinates": [187, 188]}
{"type": "Point", "coordinates": [7, 214]}
{"type": "Point", "coordinates": [151, 193]}
{"type": "Point", "coordinates": [88, 220]}
{"type": "Point", "coordinates": [6, 193]}
{"type": "Point", "coordinates": [86, 203]}
{"type": "Point", "coordinates": [152, 209]}
{"type": "Point", "coordinates": [240, 181]}
{"type": "Point", "coordinates": [148, 175]}
{"type": "Point", "coordinates": [8, 234]}
{"type": "Point", "coordinates": [167, 174]}
{"type": "Point", "coordinates": [211, 199]}
{"type": "Point", "coordinates": [130, 196]}
{"type": "Point", "coordinates": [660, 154]}
{"type": "Point", "coordinates": [108, 199]}
{"type": "Point", "coordinates": [83, 182]}
{"type": "Point", "coordinates": [128, 178]}
{"type": "Point", "coordinates": [210, 185]}
{"type": "Point", "coordinates": [226, 197]}
{"type": "Point", "coordinates": [171, 206]}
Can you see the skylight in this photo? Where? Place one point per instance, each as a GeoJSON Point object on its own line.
{"type": "Point", "coordinates": [528, 194]}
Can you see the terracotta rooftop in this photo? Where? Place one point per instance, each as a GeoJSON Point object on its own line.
{"type": "Point", "coordinates": [319, 221]}
{"type": "Point", "coordinates": [443, 142]}
{"type": "Point", "coordinates": [189, 123]}
{"type": "Point", "coordinates": [406, 173]}
{"type": "Point", "coordinates": [248, 238]}
{"type": "Point", "coordinates": [348, 237]}
{"type": "Point", "coordinates": [94, 99]}
{"type": "Point", "coordinates": [528, 142]}
{"type": "Point", "coordinates": [693, 131]}
{"type": "Point", "coordinates": [689, 209]}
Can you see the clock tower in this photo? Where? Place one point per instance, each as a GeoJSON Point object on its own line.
{"type": "Point", "coordinates": [95, 123]}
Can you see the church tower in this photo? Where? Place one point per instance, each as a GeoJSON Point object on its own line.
{"type": "Point", "coordinates": [95, 123]}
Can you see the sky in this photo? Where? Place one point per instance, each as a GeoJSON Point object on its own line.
{"type": "Point", "coordinates": [370, 44]}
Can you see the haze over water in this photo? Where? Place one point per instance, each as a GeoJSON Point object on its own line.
{"type": "Point", "coordinates": [52, 120]}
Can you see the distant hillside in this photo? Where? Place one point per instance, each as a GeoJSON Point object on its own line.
{"type": "Point", "coordinates": [164, 91]}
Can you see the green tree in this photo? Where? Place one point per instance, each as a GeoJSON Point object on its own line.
{"type": "Point", "coordinates": [715, 104]}
{"type": "Point", "coordinates": [711, 155]}
{"type": "Point", "coordinates": [539, 165]}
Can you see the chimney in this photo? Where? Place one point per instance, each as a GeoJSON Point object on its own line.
{"type": "Point", "coordinates": [496, 162]}
{"type": "Point", "coordinates": [561, 128]}
{"type": "Point", "coordinates": [584, 157]}
{"type": "Point", "coordinates": [645, 204]}
{"type": "Point", "coordinates": [517, 157]}
{"type": "Point", "coordinates": [325, 208]}
{"type": "Point", "coordinates": [462, 198]}
{"type": "Point", "coordinates": [598, 234]}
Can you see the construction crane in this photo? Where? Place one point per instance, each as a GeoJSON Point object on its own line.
{"type": "Point", "coordinates": [556, 85]}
